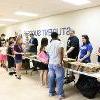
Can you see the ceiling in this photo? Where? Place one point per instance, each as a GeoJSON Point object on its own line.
{"type": "Point", "coordinates": [42, 7]}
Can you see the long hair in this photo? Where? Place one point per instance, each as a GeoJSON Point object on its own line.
{"type": "Point", "coordinates": [44, 42]}
{"type": "Point", "coordinates": [87, 39]}
{"type": "Point", "coordinates": [18, 41]}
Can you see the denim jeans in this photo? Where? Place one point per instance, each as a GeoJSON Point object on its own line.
{"type": "Point", "coordinates": [56, 79]}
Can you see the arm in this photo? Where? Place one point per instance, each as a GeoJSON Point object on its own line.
{"type": "Point", "coordinates": [79, 56]}
{"type": "Point", "coordinates": [30, 44]}
{"type": "Point", "coordinates": [70, 50]}
{"type": "Point", "coordinates": [18, 53]}
{"type": "Point", "coordinates": [61, 55]}
{"type": "Point", "coordinates": [98, 54]}
{"type": "Point", "coordinates": [87, 55]}
{"type": "Point", "coordinates": [11, 55]}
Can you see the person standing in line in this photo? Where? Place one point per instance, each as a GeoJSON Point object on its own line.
{"type": "Point", "coordinates": [43, 57]}
{"type": "Point", "coordinates": [18, 51]}
{"type": "Point", "coordinates": [72, 45]}
{"type": "Point", "coordinates": [56, 69]}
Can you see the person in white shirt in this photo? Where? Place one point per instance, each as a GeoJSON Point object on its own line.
{"type": "Point", "coordinates": [56, 70]}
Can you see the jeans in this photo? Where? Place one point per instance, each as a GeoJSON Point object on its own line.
{"type": "Point", "coordinates": [56, 79]}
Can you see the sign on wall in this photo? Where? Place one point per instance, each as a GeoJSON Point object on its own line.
{"type": "Point", "coordinates": [47, 32]}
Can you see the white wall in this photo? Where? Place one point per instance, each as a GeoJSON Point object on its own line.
{"type": "Point", "coordinates": [85, 21]}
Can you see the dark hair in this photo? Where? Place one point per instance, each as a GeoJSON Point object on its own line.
{"type": "Point", "coordinates": [44, 42]}
{"type": "Point", "coordinates": [10, 38]}
{"type": "Point", "coordinates": [2, 34]}
{"type": "Point", "coordinates": [10, 43]}
{"type": "Point", "coordinates": [54, 35]}
{"type": "Point", "coordinates": [57, 39]}
{"type": "Point", "coordinates": [87, 39]}
{"type": "Point", "coordinates": [15, 38]}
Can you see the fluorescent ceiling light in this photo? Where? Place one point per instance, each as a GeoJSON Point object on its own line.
{"type": "Point", "coordinates": [2, 25]}
{"type": "Point", "coordinates": [20, 13]}
{"type": "Point", "coordinates": [8, 20]}
{"type": "Point", "coordinates": [78, 2]}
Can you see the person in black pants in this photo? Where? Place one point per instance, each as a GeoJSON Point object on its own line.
{"type": "Point", "coordinates": [10, 58]}
{"type": "Point", "coordinates": [33, 43]}
{"type": "Point", "coordinates": [72, 52]}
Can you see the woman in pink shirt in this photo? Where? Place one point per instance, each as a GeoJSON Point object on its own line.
{"type": "Point", "coordinates": [43, 57]}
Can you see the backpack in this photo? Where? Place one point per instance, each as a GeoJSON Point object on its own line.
{"type": "Point", "coordinates": [43, 57]}
{"type": "Point", "coordinates": [88, 86]}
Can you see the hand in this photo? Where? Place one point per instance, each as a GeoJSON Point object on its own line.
{"type": "Point", "coordinates": [13, 56]}
{"type": "Point", "coordinates": [97, 54]}
{"type": "Point", "coordinates": [22, 54]}
{"type": "Point", "coordinates": [66, 55]}
{"type": "Point", "coordinates": [61, 64]}
{"type": "Point", "coordinates": [45, 62]}
{"type": "Point", "coordinates": [79, 60]}
{"type": "Point", "coordinates": [31, 44]}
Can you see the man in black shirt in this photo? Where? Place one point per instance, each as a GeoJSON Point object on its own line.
{"type": "Point", "coordinates": [72, 52]}
{"type": "Point", "coordinates": [72, 45]}
{"type": "Point", "coordinates": [33, 43]}
{"type": "Point", "coordinates": [2, 39]}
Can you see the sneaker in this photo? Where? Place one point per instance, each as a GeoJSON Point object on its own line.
{"type": "Point", "coordinates": [52, 94]}
{"type": "Point", "coordinates": [18, 77]}
{"type": "Point", "coordinates": [10, 73]}
{"type": "Point", "coordinates": [14, 72]}
{"type": "Point", "coordinates": [15, 75]}
{"type": "Point", "coordinates": [61, 97]}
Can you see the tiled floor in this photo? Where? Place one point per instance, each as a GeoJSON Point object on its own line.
{"type": "Point", "coordinates": [29, 88]}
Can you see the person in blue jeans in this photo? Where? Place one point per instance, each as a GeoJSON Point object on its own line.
{"type": "Point", "coordinates": [56, 70]}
